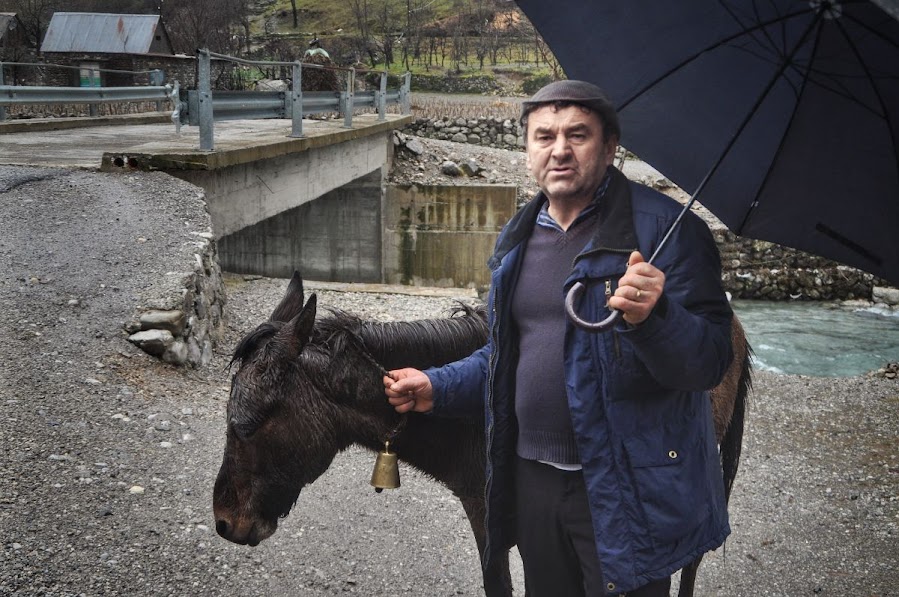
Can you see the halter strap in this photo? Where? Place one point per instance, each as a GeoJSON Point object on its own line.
{"type": "Point", "coordinates": [404, 417]}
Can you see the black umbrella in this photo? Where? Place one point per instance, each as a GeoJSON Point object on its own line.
{"type": "Point", "coordinates": [780, 116]}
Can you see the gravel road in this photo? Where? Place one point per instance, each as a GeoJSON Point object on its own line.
{"type": "Point", "coordinates": [107, 456]}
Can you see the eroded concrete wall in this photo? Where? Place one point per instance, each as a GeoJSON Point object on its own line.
{"type": "Point", "coordinates": [245, 194]}
{"type": "Point", "coordinates": [335, 238]}
{"type": "Point", "coordinates": [443, 235]}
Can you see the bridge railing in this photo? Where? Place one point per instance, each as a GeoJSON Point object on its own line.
{"type": "Point", "coordinates": [25, 95]}
{"type": "Point", "coordinates": [203, 106]}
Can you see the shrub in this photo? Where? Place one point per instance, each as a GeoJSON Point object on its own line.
{"type": "Point", "coordinates": [533, 84]}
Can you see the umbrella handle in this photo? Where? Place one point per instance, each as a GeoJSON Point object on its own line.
{"type": "Point", "coordinates": [578, 289]}
{"type": "Point", "coordinates": [599, 326]}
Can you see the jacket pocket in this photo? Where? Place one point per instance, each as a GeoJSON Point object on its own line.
{"type": "Point", "coordinates": [669, 475]}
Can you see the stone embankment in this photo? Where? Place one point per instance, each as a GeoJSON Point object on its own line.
{"type": "Point", "coordinates": [754, 269]}
{"type": "Point", "coordinates": [489, 132]}
{"type": "Point", "coordinates": [183, 323]}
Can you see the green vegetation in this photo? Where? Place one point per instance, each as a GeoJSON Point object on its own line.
{"type": "Point", "coordinates": [328, 18]}
{"type": "Point", "coordinates": [480, 46]}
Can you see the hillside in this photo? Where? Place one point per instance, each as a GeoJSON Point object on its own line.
{"type": "Point", "coordinates": [474, 46]}
{"type": "Point", "coordinates": [327, 18]}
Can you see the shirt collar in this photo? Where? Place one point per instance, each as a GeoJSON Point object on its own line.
{"type": "Point", "coordinates": [547, 221]}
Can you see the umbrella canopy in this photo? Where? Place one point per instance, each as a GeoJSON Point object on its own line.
{"type": "Point", "coordinates": [782, 114]}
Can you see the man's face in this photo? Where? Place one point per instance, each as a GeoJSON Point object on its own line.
{"type": "Point", "coordinates": [567, 152]}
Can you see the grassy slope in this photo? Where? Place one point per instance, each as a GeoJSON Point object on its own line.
{"type": "Point", "coordinates": [325, 17]}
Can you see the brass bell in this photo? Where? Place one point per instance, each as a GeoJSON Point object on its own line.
{"type": "Point", "coordinates": [386, 474]}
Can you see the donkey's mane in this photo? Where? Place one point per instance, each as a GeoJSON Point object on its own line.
{"type": "Point", "coordinates": [426, 342]}
{"type": "Point", "coordinates": [421, 343]}
{"type": "Point", "coordinates": [250, 343]}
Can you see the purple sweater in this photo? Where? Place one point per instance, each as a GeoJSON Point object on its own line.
{"type": "Point", "coordinates": [538, 308]}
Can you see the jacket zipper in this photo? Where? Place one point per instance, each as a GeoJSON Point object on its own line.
{"type": "Point", "coordinates": [608, 294]}
{"type": "Point", "coordinates": [608, 291]}
{"type": "Point", "coordinates": [491, 374]}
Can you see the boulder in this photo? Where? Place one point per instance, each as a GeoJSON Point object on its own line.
{"type": "Point", "coordinates": [154, 342]}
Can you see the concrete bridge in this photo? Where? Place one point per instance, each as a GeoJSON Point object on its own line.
{"type": "Point", "coordinates": [257, 172]}
{"type": "Point", "coordinates": [318, 202]}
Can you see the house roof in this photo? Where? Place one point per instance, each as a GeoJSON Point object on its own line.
{"type": "Point", "coordinates": [7, 19]}
{"type": "Point", "coordinates": [100, 33]}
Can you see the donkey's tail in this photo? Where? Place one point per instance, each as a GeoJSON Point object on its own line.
{"type": "Point", "coordinates": [732, 442]}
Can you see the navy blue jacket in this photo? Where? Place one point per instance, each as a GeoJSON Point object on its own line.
{"type": "Point", "coordinates": [638, 396]}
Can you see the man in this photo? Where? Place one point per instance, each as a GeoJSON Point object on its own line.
{"type": "Point", "coordinates": [602, 463]}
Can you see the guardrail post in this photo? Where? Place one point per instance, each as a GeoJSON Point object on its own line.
{"type": "Point", "coordinates": [175, 97]}
{"type": "Point", "coordinates": [296, 100]}
{"type": "Point", "coordinates": [156, 78]}
{"type": "Point", "coordinates": [348, 100]}
{"type": "Point", "coordinates": [406, 94]}
{"type": "Point", "coordinates": [2, 108]}
{"type": "Point", "coordinates": [204, 87]}
{"type": "Point", "coordinates": [382, 98]}
{"type": "Point", "coordinates": [94, 109]}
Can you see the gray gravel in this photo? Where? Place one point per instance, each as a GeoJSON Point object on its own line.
{"type": "Point", "coordinates": [107, 457]}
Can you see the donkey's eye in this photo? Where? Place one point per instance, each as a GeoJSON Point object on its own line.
{"type": "Point", "coordinates": [244, 430]}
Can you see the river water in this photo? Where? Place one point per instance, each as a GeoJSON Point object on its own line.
{"type": "Point", "coordinates": [823, 340]}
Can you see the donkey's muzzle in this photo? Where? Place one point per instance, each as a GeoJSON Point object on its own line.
{"type": "Point", "coordinates": [251, 536]}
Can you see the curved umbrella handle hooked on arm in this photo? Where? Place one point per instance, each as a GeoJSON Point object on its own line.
{"type": "Point", "coordinates": [576, 291]}
{"type": "Point", "coordinates": [573, 296]}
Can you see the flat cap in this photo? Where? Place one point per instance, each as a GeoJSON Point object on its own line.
{"type": "Point", "coordinates": [577, 92]}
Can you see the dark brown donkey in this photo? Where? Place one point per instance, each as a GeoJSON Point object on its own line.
{"type": "Point", "coordinates": [306, 390]}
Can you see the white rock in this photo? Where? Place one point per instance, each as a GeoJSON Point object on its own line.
{"type": "Point", "coordinates": [153, 342]}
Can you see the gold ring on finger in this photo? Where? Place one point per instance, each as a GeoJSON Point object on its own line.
{"type": "Point", "coordinates": [639, 293]}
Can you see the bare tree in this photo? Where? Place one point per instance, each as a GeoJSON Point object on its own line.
{"type": "Point", "coordinates": [35, 16]}
{"type": "Point", "coordinates": [220, 25]}
{"type": "Point", "coordinates": [360, 9]}
{"type": "Point", "coordinates": [418, 12]}
{"type": "Point", "coordinates": [386, 31]}
{"type": "Point", "coordinates": [548, 58]}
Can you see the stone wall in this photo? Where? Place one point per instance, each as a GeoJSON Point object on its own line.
{"type": "Point", "coordinates": [449, 84]}
{"type": "Point", "coordinates": [183, 322]}
{"type": "Point", "coordinates": [491, 132]}
{"type": "Point", "coordinates": [754, 269]}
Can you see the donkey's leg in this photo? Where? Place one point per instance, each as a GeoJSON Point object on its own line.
{"type": "Point", "coordinates": [688, 578]}
{"type": "Point", "coordinates": [497, 580]}
{"type": "Point", "coordinates": [729, 411]}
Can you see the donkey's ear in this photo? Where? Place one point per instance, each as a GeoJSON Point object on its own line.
{"type": "Point", "coordinates": [292, 302]}
{"type": "Point", "coordinates": [298, 330]}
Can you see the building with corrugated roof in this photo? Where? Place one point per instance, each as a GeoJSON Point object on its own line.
{"type": "Point", "coordinates": [99, 33]}
{"type": "Point", "coordinates": [98, 41]}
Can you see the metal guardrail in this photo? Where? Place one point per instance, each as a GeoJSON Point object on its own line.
{"type": "Point", "coordinates": [19, 95]}
{"type": "Point", "coordinates": [203, 106]}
